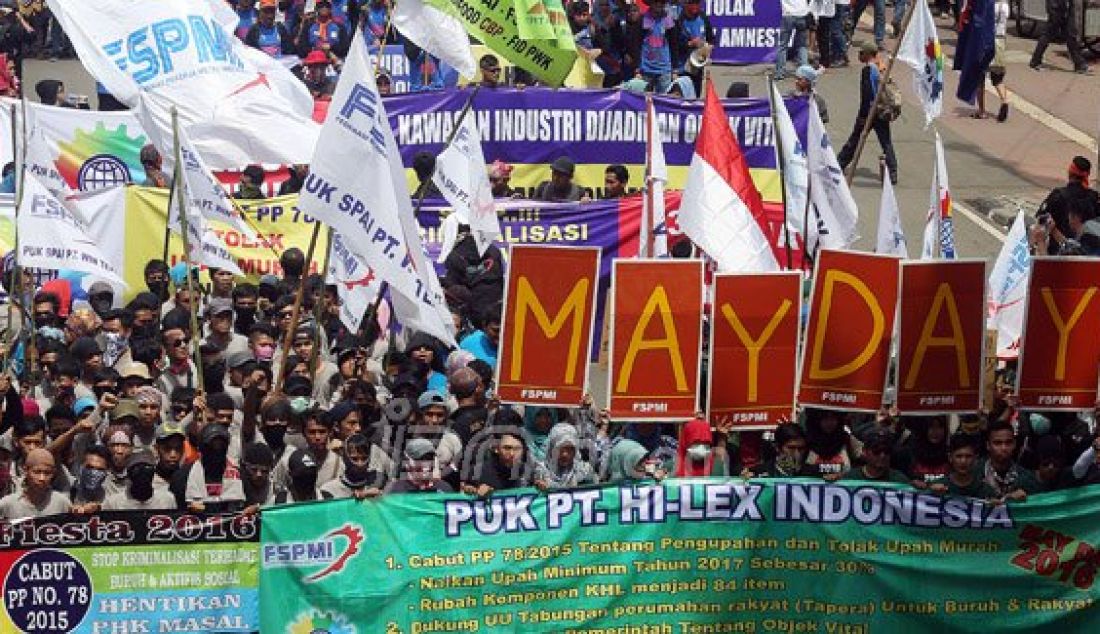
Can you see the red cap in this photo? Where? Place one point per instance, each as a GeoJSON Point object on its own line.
{"type": "Point", "coordinates": [315, 57]}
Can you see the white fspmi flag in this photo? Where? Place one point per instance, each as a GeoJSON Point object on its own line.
{"type": "Point", "coordinates": [792, 156]}
{"type": "Point", "coordinates": [436, 32]}
{"type": "Point", "coordinates": [357, 186]}
{"type": "Point", "coordinates": [461, 177]}
{"type": "Point", "coordinates": [355, 282]}
{"type": "Point", "coordinates": [939, 228]}
{"type": "Point", "coordinates": [654, 226]}
{"type": "Point", "coordinates": [891, 238]}
{"type": "Point", "coordinates": [714, 209]}
{"type": "Point", "coordinates": [180, 52]}
{"type": "Point", "coordinates": [1008, 289]}
{"type": "Point", "coordinates": [835, 210]}
{"type": "Point", "coordinates": [920, 50]}
{"type": "Point", "coordinates": [52, 235]}
{"type": "Point", "coordinates": [204, 245]}
{"type": "Point", "coordinates": [204, 191]}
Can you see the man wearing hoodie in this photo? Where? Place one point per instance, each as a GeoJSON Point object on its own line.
{"type": "Point", "coordinates": [141, 495]}
{"type": "Point", "coordinates": [500, 461]}
{"type": "Point", "coordinates": [364, 471]}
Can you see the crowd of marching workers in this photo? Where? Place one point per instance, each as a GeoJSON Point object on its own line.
{"type": "Point", "coordinates": [106, 406]}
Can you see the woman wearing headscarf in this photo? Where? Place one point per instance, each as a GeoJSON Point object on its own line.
{"type": "Point", "coordinates": [537, 422]}
{"type": "Point", "coordinates": [563, 467]}
{"type": "Point", "coordinates": [696, 453]}
{"type": "Point", "coordinates": [629, 461]}
{"type": "Point", "coordinates": [9, 83]}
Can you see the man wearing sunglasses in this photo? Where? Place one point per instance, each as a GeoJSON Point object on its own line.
{"type": "Point", "coordinates": [180, 371]}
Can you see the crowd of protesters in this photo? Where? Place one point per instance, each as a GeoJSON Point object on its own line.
{"type": "Point", "coordinates": [116, 405]}
{"type": "Point", "coordinates": [107, 407]}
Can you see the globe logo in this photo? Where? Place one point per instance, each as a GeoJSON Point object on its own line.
{"type": "Point", "coordinates": [102, 171]}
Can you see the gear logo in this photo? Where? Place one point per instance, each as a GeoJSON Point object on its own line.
{"type": "Point", "coordinates": [318, 622]}
{"type": "Point", "coordinates": [101, 158]}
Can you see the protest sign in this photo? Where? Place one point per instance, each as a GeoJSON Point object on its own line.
{"type": "Point", "coordinates": [494, 23]}
{"type": "Point", "coordinates": [529, 128]}
{"type": "Point", "coordinates": [143, 572]}
{"type": "Point", "coordinates": [768, 555]}
{"type": "Point", "coordinates": [745, 31]}
{"type": "Point", "coordinates": [546, 330]}
{"type": "Point", "coordinates": [941, 331]}
{"type": "Point", "coordinates": [851, 324]}
{"type": "Point", "coordinates": [656, 338]}
{"type": "Point", "coordinates": [1060, 349]}
{"type": "Point", "coordinates": [754, 348]}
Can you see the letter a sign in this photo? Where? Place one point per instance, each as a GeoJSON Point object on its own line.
{"type": "Point", "coordinates": [656, 334]}
{"type": "Point", "coordinates": [1060, 347]}
{"type": "Point", "coordinates": [847, 348]}
{"type": "Point", "coordinates": [754, 348]}
{"type": "Point", "coordinates": [941, 331]}
{"type": "Point", "coordinates": [546, 334]}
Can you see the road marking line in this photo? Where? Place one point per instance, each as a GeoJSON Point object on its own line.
{"type": "Point", "coordinates": [981, 221]}
{"type": "Point", "coordinates": [1045, 118]}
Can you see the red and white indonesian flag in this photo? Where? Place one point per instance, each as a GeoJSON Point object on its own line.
{"type": "Point", "coordinates": [721, 210]}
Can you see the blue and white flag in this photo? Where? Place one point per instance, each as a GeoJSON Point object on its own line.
{"type": "Point", "coordinates": [891, 237]}
{"type": "Point", "coordinates": [1008, 289]}
{"type": "Point", "coordinates": [356, 185]}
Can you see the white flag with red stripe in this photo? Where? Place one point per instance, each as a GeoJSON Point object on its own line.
{"type": "Point", "coordinates": [721, 210]}
{"type": "Point", "coordinates": [653, 236]}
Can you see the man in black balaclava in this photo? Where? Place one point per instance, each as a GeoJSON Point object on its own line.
{"type": "Point", "coordinates": [140, 495]}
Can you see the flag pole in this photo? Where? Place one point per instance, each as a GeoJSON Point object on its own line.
{"type": "Point", "coordinates": [32, 343]}
{"type": "Point", "coordinates": [13, 275]}
{"type": "Point", "coordinates": [648, 248]}
{"type": "Point", "coordinates": [781, 163]}
{"type": "Point", "coordinates": [869, 121]}
{"type": "Point", "coordinates": [295, 313]}
{"type": "Point", "coordinates": [318, 307]}
{"type": "Point", "coordinates": [181, 202]}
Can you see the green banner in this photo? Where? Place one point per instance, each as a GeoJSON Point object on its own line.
{"type": "Point", "coordinates": [685, 556]}
{"type": "Point", "coordinates": [130, 572]}
{"type": "Point", "coordinates": [494, 23]}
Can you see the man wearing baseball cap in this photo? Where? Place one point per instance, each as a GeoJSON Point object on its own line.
{"type": "Point", "coordinates": [560, 187]}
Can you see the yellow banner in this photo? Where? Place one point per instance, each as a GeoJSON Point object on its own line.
{"type": "Point", "coordinates": [278, 222]}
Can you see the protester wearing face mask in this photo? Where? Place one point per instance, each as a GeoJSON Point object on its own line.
{"type": "Point", "coordinates": [697, 454]}
{"type": "Point", "coordinates": [114, 337]}
{"type": "Point", "coordinates": [211, 484]}
{"type": "Point", "coordinates": [257, 464]}
{"type": "Point", "coordinates": [37, 498]}
{"type": "Point", "coordinates": [301, 482]}
{"type": "Point", "coordinates": [170, 449]}
{"type": "Point", "coordinates": [420, 473]}
{"type": "Point", "coordinates": [156, 279]}
{"type": "Point", "coordinates": [261, 341]}
{"type": "Point", "coordinates": [87, 494]}
{"type": "Point", "coordinates": [317, 435]}
{"type": "Point", "coordinates": [878, 447]}
{"type": "Point", "coordinates": [790, 457]}
{"type": "Point", "coordinates": [363, 476]}
{"type": "Point", "coordinates": [141, 495]}
{"type": "Point", "coordinates": [101, 297]}
{"type": "Point", "coordinates": [563, 468]}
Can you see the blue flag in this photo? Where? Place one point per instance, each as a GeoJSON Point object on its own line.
{"type": "Point", "coordinates": [975, 49]}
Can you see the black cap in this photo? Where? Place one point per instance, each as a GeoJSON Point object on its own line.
{"type": "Point", "coordinates": [301, 464]}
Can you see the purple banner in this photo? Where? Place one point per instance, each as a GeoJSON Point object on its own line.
{"type": "Point", "coordinates": [394, 62]}
{"type": "Point", "coordinates": [530, 128]}
{"type": "Point", "coordinates": [745, 31]}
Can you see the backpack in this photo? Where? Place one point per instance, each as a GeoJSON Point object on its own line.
{"type": "Point", "coordinates": [889, 103]}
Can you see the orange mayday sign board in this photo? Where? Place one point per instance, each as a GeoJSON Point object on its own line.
{"type": "Point", "coordinates": [1060, 347]}
{"type": "Point", "coordinates": [754, 348]}
{"type": "Point", "coordinates": [941, 331]}
{"type": "Point", "coordinates": [656, 332]}
{"type": "Point", "coordinates": [546, 332]}
{"type": "Point", "coordinates": [847, 347]}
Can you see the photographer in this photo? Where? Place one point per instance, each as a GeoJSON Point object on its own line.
{"type": "Point", "coordinates": [1054, 213]}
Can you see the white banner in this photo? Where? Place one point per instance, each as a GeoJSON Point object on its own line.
{"type": "Point", "coordinates": [178, 53]}
{"type": "Point", "coordinates": [54, 236]}
{"type": "Point", "coordinates": [357, 186]}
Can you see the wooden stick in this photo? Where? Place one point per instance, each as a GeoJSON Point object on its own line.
{"type": "Point", "coordinates": [288, 339]}
{"type": "Point", "coordinates": [869, 121]}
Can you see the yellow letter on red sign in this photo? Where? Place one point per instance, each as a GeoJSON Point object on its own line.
{"type": "Point", "coordinates": [545, 362]}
